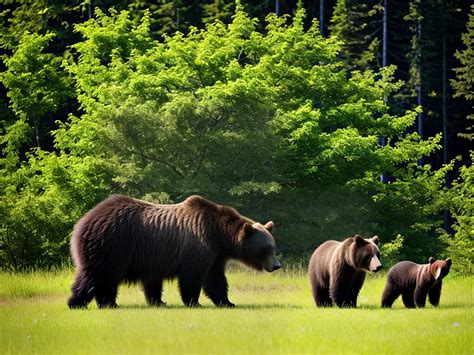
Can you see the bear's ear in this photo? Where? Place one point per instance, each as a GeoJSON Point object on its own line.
{"type": "Point", "coordinates": [431, 260]}
{"type": "Point", "coordinates": [359, 240]}
{"type": "Point", "coordinates": [375, 239]}
{"type": "Point", "coordinates": [248, 230]}
{"type": "Point", "coordinates": [448, 261]}
{"type": "Point", "coordinates": [269, 226]}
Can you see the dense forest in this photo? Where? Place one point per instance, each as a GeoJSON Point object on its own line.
{"type": "Point", "coordinates": [328, 117]}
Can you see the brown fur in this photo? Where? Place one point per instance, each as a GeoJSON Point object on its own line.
{"type": "Point", "coordinates": [415, 282]}
{"type": "Point", "coordinates": [128, 240]}
{"type": "Point", "coordinates": [337, 270]}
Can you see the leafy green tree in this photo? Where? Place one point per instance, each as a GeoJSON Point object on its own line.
{"type": "Point", "coordinates": [461, 197]}
{"type": "Point", "coordinates": [37, 87]}
{"type": "Point", "coordinates": [189, 113]}
{"type": "Point", "coordinates": [233, 114]}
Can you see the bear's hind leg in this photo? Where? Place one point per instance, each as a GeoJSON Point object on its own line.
{"type": "Point", "coordinates": [321, 297]}
{"type": "Point", "coordinates": [106, 294]}
{"type": "Point", "coordinates": [82, 291]}
{"type": "Point", "coordinates": [153, 291]}
{"type": "Point", "coordinates": [389, 295]}
{"type": "Point", "coordinates": [216, 287]}
{"type": "Point", "coordinates": [190, 288]}
{"type": "Point", "coordinates": [407, 298]}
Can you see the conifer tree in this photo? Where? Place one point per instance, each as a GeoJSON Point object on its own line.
{"type": "Point", "coordinates": [463, 84]}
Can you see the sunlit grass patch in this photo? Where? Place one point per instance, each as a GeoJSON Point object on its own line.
{"type": "Point", "coordinates": [275, 314]}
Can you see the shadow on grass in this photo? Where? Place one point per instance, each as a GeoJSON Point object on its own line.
{"type": "Point", "coordinates": [237, 307]}
{"type": "Point", "coordinates": [429, 307]}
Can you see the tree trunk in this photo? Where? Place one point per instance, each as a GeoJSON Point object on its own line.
{"type": "Point", "coordinates": [383, 140]}
{"type": "Point", "coordinates": [321, 17]}
{"type": "Point", "coordinates": [445, 126]}
{"type": "Point", "coordinates": [419, 92]}
{"type": "Point", "coordinates": [36, 124]}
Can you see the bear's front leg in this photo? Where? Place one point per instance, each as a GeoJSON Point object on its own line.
{"type": "Point", "coordinates": [434, 294]}
{"type": "Point", "coordinates": [215, 285]}
{"type": "Point", "coordinates": [340, 294]}
{"type": "Point", "coordinates": [356, 286]}
{"type": "Point", "coordinates": [420, 296]}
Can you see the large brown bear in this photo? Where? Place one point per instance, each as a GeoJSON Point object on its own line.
{"type": "Point", "coordinates": [337, 270]}
{"type": "Point", "coordinates": [414, 282]}
{"type": "Point", "coordinates": [127, 240]}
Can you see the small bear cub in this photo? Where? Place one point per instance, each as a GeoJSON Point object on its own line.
{"type": "Point", "coordinates": [414, 282]}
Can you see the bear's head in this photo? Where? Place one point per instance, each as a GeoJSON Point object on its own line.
{"type": "Point", "coordinates": [365, 254]}
{"type": "Point", "coordinates": [257, 247]}
{"type": "Point", "coordinates": [439, 268]}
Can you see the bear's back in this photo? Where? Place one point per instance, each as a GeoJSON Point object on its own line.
{"type": "Point", "coordinates": [405, 273]}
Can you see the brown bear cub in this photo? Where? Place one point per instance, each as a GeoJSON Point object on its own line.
{"type": "Point", "coordinates": [414, 282]}
{"type": "Point", "coordinates": [123, 239]}
{"type": "Point", "coordinates": [337, 270]}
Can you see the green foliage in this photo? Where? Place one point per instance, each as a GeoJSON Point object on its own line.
{"type": "Point", "coordinates": [234, 114]}
{"type": "Point", "coordinates": [390, 252]}
{"type": "Point", "coordinates": [221, 10]}
{"type": "Point", "coordinates": [37, 88]}
{"type": "Point", "coordinates": [355, 24]}
{"type": "Point", "coordinates": [461, 244]}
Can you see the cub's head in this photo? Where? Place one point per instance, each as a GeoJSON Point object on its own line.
{"type": "Point", "coordinates": [365, 254]}
{"type": "Point", "coordinates": [257, 247]}
{"type": "Point", "coordinates": [439, 268]}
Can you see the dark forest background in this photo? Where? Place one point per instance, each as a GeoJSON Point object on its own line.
{"type": "Point", "coordinates": [329, 117]}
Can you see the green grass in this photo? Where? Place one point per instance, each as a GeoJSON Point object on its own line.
{"type": "Point", "coordinates": [275, 314]}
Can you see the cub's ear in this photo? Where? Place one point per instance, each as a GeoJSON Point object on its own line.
{"type": "Point", "coordinates": [431, 260]}
{"type": "Point", "coordinates": [448, 261]}
{"type": "Point", "coordinates": [375, 239]}
{"type": "Point", "coordinates": [269, 226]}
{"type": "Point", "coordinates": [359, 240]}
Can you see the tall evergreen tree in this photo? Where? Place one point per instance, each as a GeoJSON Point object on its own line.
{"type": "Point", "coordinates": [463, 84]}
{"type": "Point", "coordinates": [358, 26]}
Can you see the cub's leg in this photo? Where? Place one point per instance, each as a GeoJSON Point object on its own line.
{"type": "Point", "coordinates": [407, 298]}
{"type": "Point", "coordinates": [420, 296]}
{"type": "Point", "coordinates": [434, 294]}
{"type": "Point", "coordinates": [389, 295]}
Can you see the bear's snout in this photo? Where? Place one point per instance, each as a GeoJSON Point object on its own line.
{"type": "Point", "coordinates": [276, 266]}
{"type": "Point", "coordinates": [375, 264]}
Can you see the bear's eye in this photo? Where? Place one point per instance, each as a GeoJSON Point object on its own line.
{"type": "Point", "coordinates": [266, 250]}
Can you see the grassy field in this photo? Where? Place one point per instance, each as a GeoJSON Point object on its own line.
{"type": "Point", "coordinates": [275, 314]}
